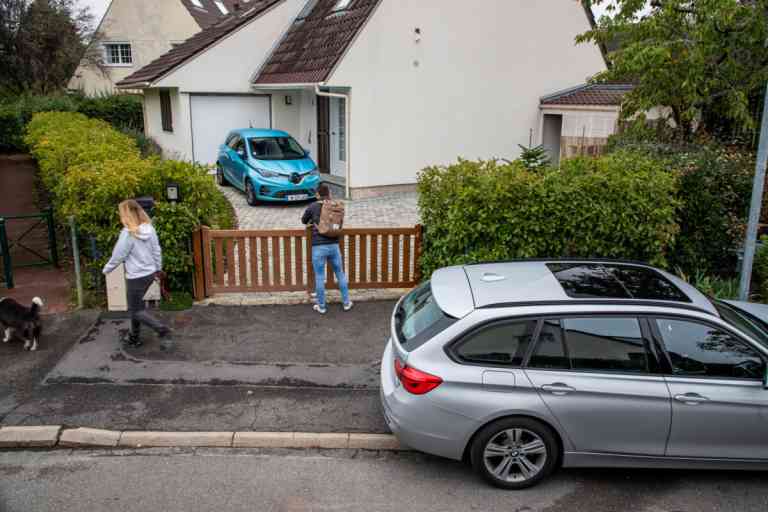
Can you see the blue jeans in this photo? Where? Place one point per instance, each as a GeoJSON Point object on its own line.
{"type": "Point", "coordinates": [332, 254]}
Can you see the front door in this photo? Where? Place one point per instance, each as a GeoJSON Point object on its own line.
{"type": "Point", "coordinates": [595, 374]}
{"type": "Point", "coordinates": [323, 134]}
{"type": "Point", "coordinates": [719, 406]}
{"type": "Point", "coordinates": [338, 124]}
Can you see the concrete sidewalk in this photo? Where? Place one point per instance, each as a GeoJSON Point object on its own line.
{"type": "Point", "coordinates": [287, 379]}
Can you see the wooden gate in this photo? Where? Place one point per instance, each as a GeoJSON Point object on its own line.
{"type": "Point", "coordinates": [274, 261]}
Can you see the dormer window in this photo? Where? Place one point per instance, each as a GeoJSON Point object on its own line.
{"type": "Point", "coordinates": [221, 7]}
{"type": "Point", "coordinates": [341, 5]}
{"type": "Point", "coordinates": [307, 10]}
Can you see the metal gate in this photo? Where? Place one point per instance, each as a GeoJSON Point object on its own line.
{"type": "Point", "coordinates": [26, 241]}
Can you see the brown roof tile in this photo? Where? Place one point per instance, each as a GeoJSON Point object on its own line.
{"type": "Point", "coordinates": [314, 44]}
{"type": "Point", "coordinates": [197, 43]}
{"type": "Point", "coordinates": [609, 94]}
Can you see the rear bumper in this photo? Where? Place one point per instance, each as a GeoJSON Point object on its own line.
{"type": "Point", "coordinates": [417, 422]}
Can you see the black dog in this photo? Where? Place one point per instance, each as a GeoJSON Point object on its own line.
{"type": "Point", "coordinates": [15, 317]}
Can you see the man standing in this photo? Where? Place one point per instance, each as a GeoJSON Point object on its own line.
{"type": "Point", "coordinates": [327, 218]}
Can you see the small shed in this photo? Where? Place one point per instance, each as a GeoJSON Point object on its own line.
{"type": "Point", "coordinates": [579, 120]}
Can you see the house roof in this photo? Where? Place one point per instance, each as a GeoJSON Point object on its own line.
{"type": "Point", "coordinates": [196, 44]}
{"type": "Point", "coordinates": [315, 43]}
{"type": "Point", "coordinates": [209, 13]}
{"type": "Point", "coordinates": [604, 94]}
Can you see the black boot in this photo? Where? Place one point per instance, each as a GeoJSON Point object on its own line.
{"type": "Point", "coordinates": [133, 340]}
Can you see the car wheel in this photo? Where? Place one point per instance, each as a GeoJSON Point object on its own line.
{"type": "Point", "coordinates": [250, 194]}
{"type": "Point", "coordinates": [515, 453]}
{"type": "Point", "coordinates": [221, 180]}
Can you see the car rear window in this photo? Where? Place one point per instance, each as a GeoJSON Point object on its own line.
{"type": "Point", "coordinates": [418, 318]}
{"type": "Point", "coordinates": [610, 281]}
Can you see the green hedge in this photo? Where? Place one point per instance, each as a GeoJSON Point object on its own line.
{"type": "Point", "coordinates": [122, 111]}
{"type": "Point", "coordinates": [715, 192]}
{"type": "Point", "coordinates": [618, 206]}
{"type": "Point", "coordinates": [89, 167]}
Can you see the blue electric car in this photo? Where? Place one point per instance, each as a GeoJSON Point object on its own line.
{"type": "Point", "coordinates": [268, 165]}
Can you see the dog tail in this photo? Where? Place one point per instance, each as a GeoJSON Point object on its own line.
{"type": "Point", "coordinates": [37, 303]}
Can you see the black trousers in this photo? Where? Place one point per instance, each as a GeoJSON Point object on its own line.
{"type": "Point", "coordinates": [136, 289]}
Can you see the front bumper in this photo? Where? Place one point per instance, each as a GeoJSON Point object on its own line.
{"type": "Point", "coordinates": [281, 190]}
{"type": "Point", "coordinates": [416, 421]}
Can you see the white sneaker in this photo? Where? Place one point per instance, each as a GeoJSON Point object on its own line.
{"type": "Point", "coordinates": [348, 305]}
{"type": "Point", "coordinates": [320, 310]}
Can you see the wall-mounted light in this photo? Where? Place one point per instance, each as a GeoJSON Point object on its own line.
{"type": "Point", "coordinates": [417, 35]}
{"type": "Point", "coordinates": [289, 100]}
{"type": "Point", "coordinates": [172, 192]}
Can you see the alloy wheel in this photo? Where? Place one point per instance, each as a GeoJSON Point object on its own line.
{"type": "Point", "coordinates": [515, 455]}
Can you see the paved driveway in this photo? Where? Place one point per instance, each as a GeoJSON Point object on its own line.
{"type": "Point", "coordinates": [397, 210]}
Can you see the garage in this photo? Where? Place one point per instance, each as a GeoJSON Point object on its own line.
{"type": "Point", "coordinates": [214, 115]}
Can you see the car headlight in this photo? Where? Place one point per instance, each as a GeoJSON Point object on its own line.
{"type": "Point", "coordinates": [267, 174]}
{"type": "Point", "coordinates": [316, 172]}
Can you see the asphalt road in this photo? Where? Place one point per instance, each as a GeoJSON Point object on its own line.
{"type": "Point", "coordinates": [341, 481]}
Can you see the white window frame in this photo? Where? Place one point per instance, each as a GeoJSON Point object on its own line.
{"type": "Point", "coordinates": [342, 5]}
{"type": "Point", "coordinates": [197, 3]}
{"type": "Point", "coordinates": [221, 6]}
{"type": "Point", "coordinates": [120, 64]}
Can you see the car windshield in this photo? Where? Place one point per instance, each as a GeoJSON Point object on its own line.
{"type": "Point", "coordinates": [743, 321]}
{"type": "Point", "coordinates": [419, 318]}
{"type": "Point", "coordinates": [276, 148]}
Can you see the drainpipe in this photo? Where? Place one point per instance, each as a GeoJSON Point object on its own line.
{"type": "Point", "coordinates": [346, 98]}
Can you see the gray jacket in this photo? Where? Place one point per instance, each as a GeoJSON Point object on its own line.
{"type": "Point", "coordinates": [141, 253]}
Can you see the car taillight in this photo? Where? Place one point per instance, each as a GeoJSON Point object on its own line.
{"type": "Point", "coordinates": [415, 381]}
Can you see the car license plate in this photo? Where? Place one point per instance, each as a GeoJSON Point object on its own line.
{"type": "Point", "coordinates": [298, 197]}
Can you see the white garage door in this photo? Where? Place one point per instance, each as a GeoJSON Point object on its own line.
{"type": "Point", "coordinates": [214, 116]}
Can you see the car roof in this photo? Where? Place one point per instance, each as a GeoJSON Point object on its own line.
{"type": "Point", "coordinates": [259, 132]}
{"type": "Point", "coordinates": [459, 290]}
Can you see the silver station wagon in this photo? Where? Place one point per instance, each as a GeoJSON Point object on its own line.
{"type": "Point", "coordinates": [526, 366]}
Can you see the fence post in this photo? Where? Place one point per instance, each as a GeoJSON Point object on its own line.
{"type": "Point", "coordinates": [52, 243]}
{"type": "Point", "coordinates": [417, 252]}
{"type": "Point", "coordinates": [205, 245]}
{"type": "Point", "coordinates": [310, 268]}
{"type": "Point", "coordinates": [6, 254]}
{"type": "Point", "coordinates": [198, 284]}
{"type": "Point", "coordinates": [76, 257]}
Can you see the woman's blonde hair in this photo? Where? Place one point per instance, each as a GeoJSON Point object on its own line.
{"type": "Point", "coordinates": [132, 215]}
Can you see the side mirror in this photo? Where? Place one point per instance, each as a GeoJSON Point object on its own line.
{"type": "Point", "coordinates": [241, 154]}
{"type": "Point", "coordinates": [307, 153]}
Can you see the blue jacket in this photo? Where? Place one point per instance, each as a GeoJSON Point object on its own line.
{"type": "Point", "coordinates": [141, 253]}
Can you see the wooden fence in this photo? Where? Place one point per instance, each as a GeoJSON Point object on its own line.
{"type": "Point", "coordinates": [270, 261]}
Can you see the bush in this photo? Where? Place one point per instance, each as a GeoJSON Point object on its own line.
{"type": "Point", "coordinates": [121, 111]}
{"type": "Point", "coordinates": [760, 269]}
{"type": "Point", "coordinates": [89, 167]}
{"type": "Point", "coordinates": [618, 206]}
{"type": "Point", "coordinates": [715, 191]}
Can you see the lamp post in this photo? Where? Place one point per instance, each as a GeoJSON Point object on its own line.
{"type": "Point", "coordinates": [755, 206]}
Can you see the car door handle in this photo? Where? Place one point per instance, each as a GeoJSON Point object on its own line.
{"type": "Point", "coordinates": [558, 388]}
{"type": "Point", "coordinates": [691, 398]}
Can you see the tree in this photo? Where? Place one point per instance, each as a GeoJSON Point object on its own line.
{"type": "Point", "coordinates": [41, 43]}
{"type": "Point", "coordinates": [706, 60]}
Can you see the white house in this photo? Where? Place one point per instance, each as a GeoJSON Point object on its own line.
{"type": "Point", "coordinates": [375, 89]}
{"type": "Point", "coordinates": [133, 33]}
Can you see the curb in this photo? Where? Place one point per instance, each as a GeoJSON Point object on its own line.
{"type": "Point", "coordinates": [59, 437]}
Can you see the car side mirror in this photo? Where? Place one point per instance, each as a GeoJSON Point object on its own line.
{"type": "Point", "coordinates": [241, 154]}
{"type": "Point", "coordinates": [307, 153]}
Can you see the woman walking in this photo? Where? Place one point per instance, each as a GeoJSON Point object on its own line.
{"type": "Point", "coordinates": [139, 248]}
